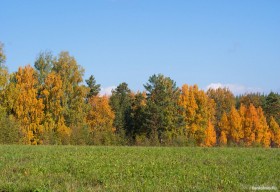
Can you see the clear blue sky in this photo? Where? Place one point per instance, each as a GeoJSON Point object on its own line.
{"type": "Point", "coordinates": [235, 43]}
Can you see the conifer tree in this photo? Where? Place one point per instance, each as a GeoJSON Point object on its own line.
{"type": "Point", "coordinates": [120, 102]}
{"type": "Point", "coordinates": [138, 131]}
{"type": "Point", "coordinates": [272, 106]}
{"type": "Point", "coordinates": [163, 119]}
{"type": "Point", "coordinates": [94, 88]}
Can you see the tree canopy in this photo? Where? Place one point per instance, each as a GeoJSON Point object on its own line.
{"type": "Point", "coordinates": [51, 103]}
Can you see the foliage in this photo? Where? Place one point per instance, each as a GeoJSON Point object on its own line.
{"type": "Point", "coordinates": [2, 54]}
{"type": "Point", "coordinates": [94, 88]}
{"type": "Point", "coordinates": [28, 108]}
{"type": "Point", "coordinates": [3, 69]}
{"type": "Point", "coordinates": [275, 132]}
{"type": "Point", "coordinates": [9, 130]}
{"type": "Point", "coordinates": [163, 119]}
{"type": "Point", "coordinates": [100, 119]}
{"type": "Point", "coordinates": [225, 128]}
{"type": "Point", "coordinates": [51, 104]}
{"type": "Point", "coordinates": [72, 101]}
{"type": "Point", "coordinates": [137, 112]}
{"type": "Point", "coordinates": [236, 132]}
{"type": "Point", "coordinates": [43, 65]}
{"type": "Point", "coordinates": [210, 135]}
{"type": "Point", "coordinates": [56, 130]}
{"type": "Point", "coordinates": [257, 99]}
{"type": "Point", "coordinates": [272, 106]}
{"type": "Point", "coordinates": [198, 111]}
{"type": "Point", "coordinates": [224, 100]}
{"type": "Point", "coordinates": [120, 102]}
{"type": "Point", "coordinates": [248, 126]}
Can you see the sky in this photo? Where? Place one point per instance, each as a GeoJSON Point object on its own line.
{"type": "Point", "coordinates": [217, 43]}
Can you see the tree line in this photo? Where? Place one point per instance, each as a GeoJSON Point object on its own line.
{"type": "Point", "coordinates": [50, 103]}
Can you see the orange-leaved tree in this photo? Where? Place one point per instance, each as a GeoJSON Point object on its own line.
{"type": "Point", "coordinates": [210, 135]}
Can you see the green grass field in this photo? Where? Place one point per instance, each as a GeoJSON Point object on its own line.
{"type": "Point", "coordinates": [84, 168]}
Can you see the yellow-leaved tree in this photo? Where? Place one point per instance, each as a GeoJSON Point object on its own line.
{"type": "Point", "coordinates": [197, 109]}
{"type": "Point", "coordinates": [250, 118]}
{"type": "Point", "coordinates": [28, 107]}
{"type": "Point", "coordinates": [73, 103]}
{"type": "Point", "coordinates": [236, 132]}
{"type": "Point", "coordinates": [4, 75]}
{"type": "Point", "coordinates": [100, 119]}
{"type": "Point", "coordinates": [224, 129]}
{"type": "Point", "coordinates": [275, 132]}
{"type": "Point", "coordinates": [54, 123]}
{"type": "Point", "coordinates": [262, 132]}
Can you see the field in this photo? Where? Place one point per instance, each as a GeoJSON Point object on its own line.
{"type": "Point", "coordinates": [84, 168]}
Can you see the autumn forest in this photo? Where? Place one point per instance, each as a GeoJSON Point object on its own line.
{"type": "Point", "coordinates": [51, 104]}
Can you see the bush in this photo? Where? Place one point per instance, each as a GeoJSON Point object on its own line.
{"type": "Point", "coordinates": [9, 131]}
{"type": "Point", "coordinates": [180, 141]}
{"type": "Point", "coordinates": [142, 140]}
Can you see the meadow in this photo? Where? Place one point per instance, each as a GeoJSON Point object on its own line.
{"type": "Point", "coordinates": [92, 168]}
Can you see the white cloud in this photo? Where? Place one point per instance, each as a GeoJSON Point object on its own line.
{"type": "Point", "coordinates": [106, 90]}
{"type": "Point", "coordinates": [235, 88]}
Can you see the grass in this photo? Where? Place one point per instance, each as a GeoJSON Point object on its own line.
{"type": "Point", "coordinates": [85, 168]}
